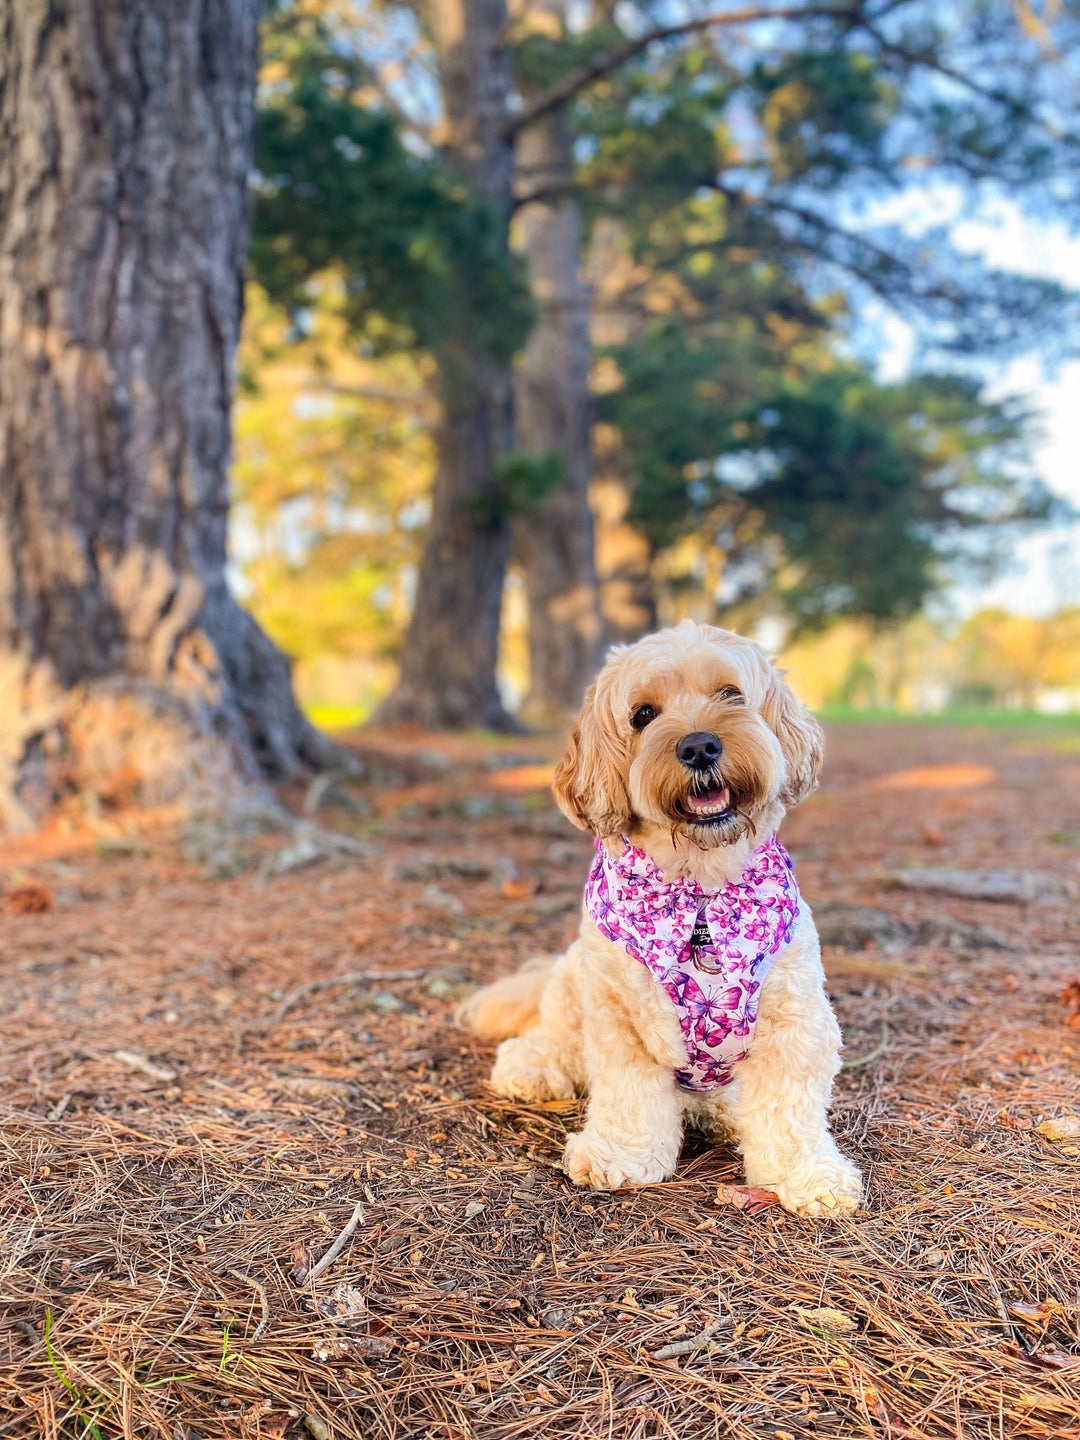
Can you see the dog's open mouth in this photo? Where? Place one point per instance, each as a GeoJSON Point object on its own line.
{"type": "Point", "coordinates": [710, 806]}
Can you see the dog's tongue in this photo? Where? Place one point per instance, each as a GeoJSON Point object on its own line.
{"type": "Point", "coordinates": [710, 802]}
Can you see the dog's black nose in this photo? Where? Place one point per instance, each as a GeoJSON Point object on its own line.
{"type": "Point", "coordinates": [699, 751]}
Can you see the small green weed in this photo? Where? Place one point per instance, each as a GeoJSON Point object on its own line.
{"type": "Point", "coordinates": [228, 1357]}
{"type": "Point", "coordinates": [92, 1430]}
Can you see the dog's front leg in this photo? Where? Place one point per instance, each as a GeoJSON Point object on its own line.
{"type": "Point", "coordinates": [633, 1126]}
{"type": "Point", "coordinates": [779, 1109]}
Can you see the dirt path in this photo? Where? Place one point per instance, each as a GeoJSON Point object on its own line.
{"type": "Point", "coordinates": [185, 1130]}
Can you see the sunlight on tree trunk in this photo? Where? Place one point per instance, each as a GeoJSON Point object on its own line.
{"type": "Point", "coordinates": [450, 651]}
{"type": "Point", "coordinates": [555, 542]}
{"type": "Point", "coordinates": [125, 148]}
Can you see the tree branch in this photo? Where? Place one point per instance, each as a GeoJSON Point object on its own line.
{"type": "Point", "coordinates": [420, 400]}
{"type": "Point", "coordinates": [546, 194]}
{"type": "Point", "coordinates": [608, 60]}
{"type": "Point", "coordinates": [885, 260]}
{"type": "Point", "coordinates": [743, 201]}
{"type": "Point", "coordinates": [930, 62]}
{"type": "Point", "coordinates": [854, 14]}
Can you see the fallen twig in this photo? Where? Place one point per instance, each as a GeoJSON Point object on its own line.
{"type": "Point", "coordinates": [264, 1301]}
{"type": "Point", "coordinates": [140, 1062]}
{"type": "Point", "coordinates": [878, 1050]}
{"type": "Point", "coordinates": [695, 1343]}
{"type": "Point", "coordinates": [1013, 1333]}
{"type": "Point", "coordinates": [338, 1245]}
{"type": "Point", "coordinates": [316, 791]}
{"type": "Point", "coordinates": [357, 977]}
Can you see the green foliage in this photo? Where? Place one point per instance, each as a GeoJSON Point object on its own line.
{"type": "Point", "coordinates": [521, 481]}
{"type": "Point", "coordinates": [728, 168]}
{"type": "Point", "coordinates": [839, 495]}
{"type": "Point", "coordinates": [542, 59]}
{"type": "Point", "coordinates": [692, 379]}
{"type": "Point", "coordinates": [974, 717]}
{"type": "Point", "coordinates": [423, 259]}
{"type": "Point", "coordinates": [657, 132]}
{"type": "Point", "coordinates": [738, 165]}
{"type": "Point", "coordinates": [525, 478]}
{"type": "Point", "coordinates": [874, 486]}
{"type": "Point", "coordinates": [653, 140]}
{"type": "Point", "coordinates": [50, 1352]}
{"type": "Point", "coordinates": [678, 409]}
{"type": "Point", "coordinates": [802, 126]}
{"type": "Point", "coordinates": [228, 1355]}
{"type": "Point", "coordinates": [824, 113]}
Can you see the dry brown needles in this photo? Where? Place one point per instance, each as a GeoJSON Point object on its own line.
{"type": "Point", "coordinates": [162, 1223]}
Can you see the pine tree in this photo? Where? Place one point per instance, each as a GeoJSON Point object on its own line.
{"type": "Point", "coordinates": [749, 141]}
{"type": "Point", "coordinates": [424, 246]}
{"type": "Point", "coordinates": [125, 147]}
{"type": "Point", "coordinates": [726, 171]}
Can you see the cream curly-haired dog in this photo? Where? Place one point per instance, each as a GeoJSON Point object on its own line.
{"type": "Point", "coordinates": [695, 991]}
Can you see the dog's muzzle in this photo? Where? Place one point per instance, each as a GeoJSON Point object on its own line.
{"type": "Point", "coordinates": [699, 750]}
{"type": "Point", "coordinates": [709, 801]}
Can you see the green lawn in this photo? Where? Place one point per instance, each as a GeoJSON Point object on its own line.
{"type": "Point", "coordinates": [964, 715]}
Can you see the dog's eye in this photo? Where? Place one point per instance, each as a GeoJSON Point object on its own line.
{"type": "Point", "coordinates": [643, 715]}
{"type": "Point", "coordinates": [730, 692]}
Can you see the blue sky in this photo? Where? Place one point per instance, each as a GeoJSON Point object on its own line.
{"type": "Point", "coordinates": [1044, 573]}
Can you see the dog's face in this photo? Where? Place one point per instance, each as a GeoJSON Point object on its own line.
{"type": "Point", "coordinates": [691, 729]}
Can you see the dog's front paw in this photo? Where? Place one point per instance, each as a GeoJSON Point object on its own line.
{"type": "Point", "coordinates": [592, 1159]}
{"type": "Point", "coordinates": [527, 1070]}
{"type": "Point", "coordinates": [828, 1186]}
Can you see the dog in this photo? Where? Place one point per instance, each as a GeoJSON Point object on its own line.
{"type": "Point", "coordinates": [694, 992]}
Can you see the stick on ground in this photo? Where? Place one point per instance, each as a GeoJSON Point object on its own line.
{"type": "Point", "coordinates": [338, 1245]}
{"type": "Point", "coordinates": [691, 1346]}
{"type": "Point", "coordinates": [264, 1301]}
{"type": "Point", "coordinates": [874, 1054]}
{"type": "Point", "coordinates": [140, 1062]}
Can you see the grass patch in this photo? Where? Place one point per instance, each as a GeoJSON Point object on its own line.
{"type": "Point", "coordinates": [967, 716]}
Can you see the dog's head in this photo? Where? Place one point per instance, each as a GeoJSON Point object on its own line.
{"type": "Point", "coordinates": [691, 728]}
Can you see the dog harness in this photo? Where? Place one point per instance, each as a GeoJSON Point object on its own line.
{"type": "Point", "coordinates": [710, 951]}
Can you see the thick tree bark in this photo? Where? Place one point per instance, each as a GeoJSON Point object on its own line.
{"type": "Point", "coordinates": [125, 147]}
{"type": "Point", "coordinates": [555, 544]}
{"type": "Point", "coordinates": [450, 652]}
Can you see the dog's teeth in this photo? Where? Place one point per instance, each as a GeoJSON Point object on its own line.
{"type": "Point", "coordinates": [708, 810]}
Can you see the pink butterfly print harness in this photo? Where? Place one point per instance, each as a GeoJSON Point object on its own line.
{"type": "Point", "coordinates": [710, 952]}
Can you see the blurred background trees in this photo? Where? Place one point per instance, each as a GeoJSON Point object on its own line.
{"type": "Point", "coordinates": [564, 319]}
{"type": "Point", "coordinates": [666, 230]}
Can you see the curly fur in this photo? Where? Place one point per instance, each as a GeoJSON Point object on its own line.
{"type": "Point", "coordinates": [594, 1020]}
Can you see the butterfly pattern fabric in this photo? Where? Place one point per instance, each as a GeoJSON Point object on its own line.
{"type": "Point", "coordinates": [715, 987]}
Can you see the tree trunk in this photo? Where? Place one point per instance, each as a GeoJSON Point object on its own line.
{"type": "Point", "coordinates": [555, 543]}
{"type": "Point", "coordinates": [450, 652]}
{"type": "Point", "coordinates": [125, 147]}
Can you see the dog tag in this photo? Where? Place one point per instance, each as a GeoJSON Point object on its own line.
{"type": "Point", "coordinates": [704, 955]}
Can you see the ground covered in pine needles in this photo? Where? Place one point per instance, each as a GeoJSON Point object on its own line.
{"type": "Point", "coordinates": [208, 1079]}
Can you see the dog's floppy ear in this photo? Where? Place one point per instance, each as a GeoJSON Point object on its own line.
{"type": "Point", "coordinates": [589, 784]}
{"type": "Point", "coordinates": [801, 739]}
